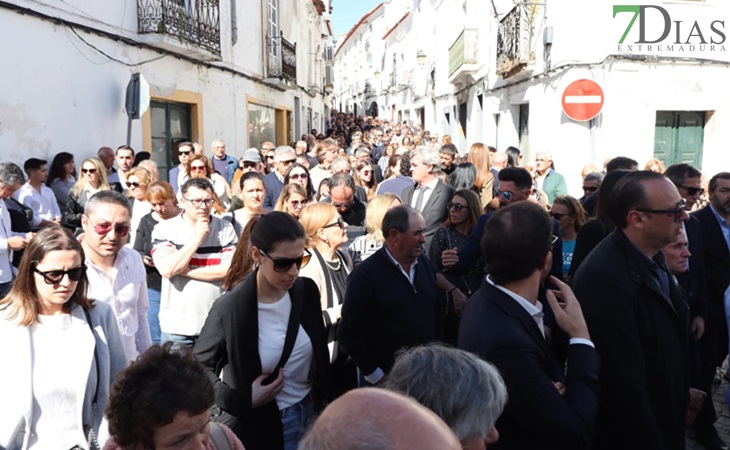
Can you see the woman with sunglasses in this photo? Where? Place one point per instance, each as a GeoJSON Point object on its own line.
{"type": "Point", "coordinates": [365, 179]}
{"type": "Point", "coordinates": [292, 200]}
{"type": "Point", "coordinates": [199, 166]}
{"type": "Point", "coordinates": [568, 211]}
{"type": "Point", "coordinates": [91, 180]}
{"type": "Point", "coordinates": [329, 268]}
{"type": "Point", "coordinates": [62, 350]}
{"type": "Point", "coordinates": [464, 211]}
{"type": "Point", "coordinates": [138, 181]}
{"type": "Point", "coordinates": [267, 337]}
{"type": "Point", "coordinates": [297, 173]}
{"type": "Point", "coordinates": [252, 197]}
{"type": "Point", "coordinates": [164, 206]}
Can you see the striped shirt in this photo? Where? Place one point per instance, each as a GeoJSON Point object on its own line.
{"type": "Point", "coordinates": [126, 293]}
{"type": "Point", "coordinates": [185, 302]}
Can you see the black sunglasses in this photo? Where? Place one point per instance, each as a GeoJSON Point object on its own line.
{"type": "Point", "coordinates": [558, 216]}
{"type": "Point", "coordinates": [183, 152]}
{"type": "Point", "coordinates": [52, 277]}
{"type": "Point", "coordinates": [340, 223]}
{"type": "Point", "coordinates": [133, 184]}
{"type": "Point", "coordinates": [455, 206]}
{"type": "Point", "coordinates": [676, 211]}
{"type": "Point", "coordinates": [590, 188]}
{"type": "Point", "coordinates": [692, 190]}
{"type": "Point", "coordinates": [88, 170]}
{"type": "Point", "coordinates": [284, 264]}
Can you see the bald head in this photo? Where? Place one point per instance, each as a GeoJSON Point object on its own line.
{"type": "Point", "coordinates": [376, 419]}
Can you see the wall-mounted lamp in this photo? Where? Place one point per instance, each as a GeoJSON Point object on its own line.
{"type": "Point", "coordinates": [421, 58]}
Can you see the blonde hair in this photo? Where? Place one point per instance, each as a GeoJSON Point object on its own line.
{"type": "Point", "coordinates": [574, 208]}
{"type": "Point", "coordinates": [144, 176]}
{"type": "Point", "coordinates": [100, 169]}
{"type": "Point", "coordinates": [286, 192]}
{"type": "Point", "coordinates": [315, 216]}
{"type": "Point", "coordinates": [479, 156]}
{"type": "Point", "coordinates": [375, 212]}
{"type": "Point", "coordinates": [656, 162]}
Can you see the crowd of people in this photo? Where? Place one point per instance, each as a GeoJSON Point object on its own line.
{"type": "Point", "coordinates": [372, 287]}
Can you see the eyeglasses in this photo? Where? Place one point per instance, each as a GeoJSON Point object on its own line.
{"type": "Point", "coordinates": [676, 211]}
{"type": "Point", "coordinates": [297, 203]}
{"type": "Point", "coordinates": [184, 152]}
{"type": "Point", "coordinates": [558, 216]}
{"type": "Point", "coordinates": [455, 206]}
{"type": "Point", "coordinates": [367, 172]}
{"type": "Point", "coordinates": [284, 264]}
{"type": "Point", "coordinates": [250, 165]}
{"type": "Point", "coordinates": [288, 162]}
{"type": "Point", "coordinates": [590, 188]}
{"type": "Point", "coordinates": [299, 176]}
{"type": "Point", "coordinates": [691, 191]}
{"type": "Point", "coordinates": [88, 170]}
{"type": "Point", "coordinates": [52, 277]}
{"type": "Point", "coordinates": [133, 184]}
{"type": "Point", "coordinates": [197, 168]}
{"type": "Point", "coordinates": [196, 202]}
{"type": "Point", "coordinates": [340, 223]}
{"type": "Point", "coordinates": [103, 229]}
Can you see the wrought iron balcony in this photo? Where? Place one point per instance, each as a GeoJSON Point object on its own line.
{"type": "Point", "coordinates": [464, 51]}
{"type": "Point", "coordinates": [514, 36]}
{"type": "Point", "coordinates": [195, 22]}
{"type": "Point", "coordinates": [281, 59]}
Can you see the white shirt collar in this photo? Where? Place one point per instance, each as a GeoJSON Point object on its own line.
{"type": "Point", "coordinates": [535, 311]}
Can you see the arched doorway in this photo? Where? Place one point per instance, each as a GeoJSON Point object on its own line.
{"type": "Point", "coordinates": [373, 110]}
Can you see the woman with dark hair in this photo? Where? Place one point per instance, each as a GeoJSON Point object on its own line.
{"type": "Point", "coordinates": [92, 180]}
{"type": "Point", "coordinates": [365, 178]}
{"type": "Point", "coordinates": [513, 156]}
{"type": "Point", "coordinates": [163, 400]}
{"type": "Point", "coordinates": [62, 177]}
{"type": "Point", "coordinates": [323, 192]}
{"type": "Point", "coordinates": [595, 230]}
{"type": "Point", "coordinates": [252, 196]}
{"type": "Point", "coordinates": [463, 176]}
{"type": "Point", "coordinates": [164, 206]}
{"type": "Point", "coordinates": [464, 211]}
{"type": "Point", "coordinates": [297, 173]}
{"type": "Point", "coordinates": [568, 211]}
{"type": "Point", "coordinates": [384, 161]}
{"type": "Point", "coordinates": [61, 350]}
{"type": "Point", "coordinates": [267, 338]}
{"type": "Point", "coordinates": [392, 169]}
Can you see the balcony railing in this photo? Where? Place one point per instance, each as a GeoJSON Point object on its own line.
{"type": "Point", "coordinates": [281, 59]}
{"type": "Point", "coordinates": [464, 50]}
{"type": "Point", "coordinates": [196, 22]}
{"type": "Point", "coordinates": [514, 35]}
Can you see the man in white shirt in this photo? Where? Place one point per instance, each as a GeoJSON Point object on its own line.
{"type": "Point", "coordinates": [37, 196]}
{"type": "Point", "coordinates": [116, 273]}
{"type": "Point", "coordinates": [11, 178]}
{"type": "Point", "coordinates": [193, 252]}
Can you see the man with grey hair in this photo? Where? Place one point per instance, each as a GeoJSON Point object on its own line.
{"type": "Point", "coordinates": [547, 179]}
{"type": "Point", "coordinates": [391, 299]}
{"type": "Point", "coordinates": [429, 195]}
{"type": "Point", "coordinates": [591, 183]}
{"type": "Point", "coordinates": [106, 156]}
{"type": "Point", "coordinates": [116, 273]}
{"type": "Point", "coordinates": [497, 162]}
{"type": "Point", "coordinates": [467, 392]}
{"type": "Point", "coordinates": [301, 151]}
{"type": "Point", "coordinates": [284, 156]}
{"type": "Point", "coordinates": [351, 206]}
{"type": "Point", "coordinates": [179, 175]}
{"type": "Point", "coordinates": [11, 178]}
{"type": "Point", "coordinates": [223, 164]}
{"type": "Point", "coordinates": [341, 165]}
{"type": "Point", "coordinates": [151, 167]}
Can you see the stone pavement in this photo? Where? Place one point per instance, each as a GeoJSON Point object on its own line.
{"type": "Point", "coordinates": [723, 420]}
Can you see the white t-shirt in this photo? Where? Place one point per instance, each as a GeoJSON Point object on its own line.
{"type": "Point", "coordinates": [273, 322]}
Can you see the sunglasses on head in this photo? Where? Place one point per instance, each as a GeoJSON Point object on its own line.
{"type": "Point", "coordinates": [88, 170]}
{"type": "Point", "coordinates": [590, 188]}
{"type": "Point", "coordinates": [692, 190]}
{"type": "Point", "coordinates": [284, 264]}
{"type": "Point", "coordinates": [340, 223]}
{"type": "Point", "coordinates": [103, 229]}
{"type": "Point", "coordinates": [455, 206]}
{"type": "Point", "coordinates": [56, 276]}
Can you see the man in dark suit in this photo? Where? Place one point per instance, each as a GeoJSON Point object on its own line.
{"type": "Point", "coordinates": [429, 195]}
{"type": "Point", "coordinates": [284, 156]}
{"type": "Point", "coordinates": [503, 323]}
{"type": "Point", "coordinates": [178, 175]}
{"type": "Point", "coordinates": [638, 318]}
{"type": "Point", "coordinates": [715, 229]}
{"type": "Point", "coordinates": [706, 330]}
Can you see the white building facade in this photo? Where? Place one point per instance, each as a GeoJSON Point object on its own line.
{"type": "Point", "coordinates": [496, 71]}
{"type": "Point", "coordinates": [241, 71]}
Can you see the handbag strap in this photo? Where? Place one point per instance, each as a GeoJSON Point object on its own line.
{"type": "Point", "coordinates": [295, 319]}
{"type": "Point", "coordinates": [96, 356]}
{"type": "Point", "coordinates": [219, 437]}
{"type": "Point", "coordinates": [327, 278]}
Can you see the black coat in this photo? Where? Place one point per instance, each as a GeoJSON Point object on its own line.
{"type": "Point", "coordinates": [229, 339]}
{"type": "Point", "coordinates": [716, 259]}
{"type": "Point", "coordinates": [642, 336]}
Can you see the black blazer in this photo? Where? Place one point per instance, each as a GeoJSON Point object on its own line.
{"type": "Point", "coordinates": [434, 210]}
{"type": "Point", "coordinates": [642, 337]}
{"type": "Point", "coordinates": [229, 339]}
{"type": "Point", "coordinates": [694, 281]}
{"type": "Point", "coordinates": [273, 190]}
{"type": "Point", "coordinates": [716, 259]}
{"type": "Point", "coordinates": [497, 328]}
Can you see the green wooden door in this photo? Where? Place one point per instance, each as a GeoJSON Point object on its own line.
{"type": "Point", "coordinates": [170, 125]}
{"type": "Point", "coordinates": [678, 137]}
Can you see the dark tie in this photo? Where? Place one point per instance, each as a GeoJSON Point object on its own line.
{"type": "Point", "coordinates": [419, 198]}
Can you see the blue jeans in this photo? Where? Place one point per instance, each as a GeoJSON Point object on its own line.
{"type": "Point", "coordinates": [295, 421]}
{"type": "Point", "coordinates": [153, 315]}
{"type": "Point", "coordinates": [178, 340]}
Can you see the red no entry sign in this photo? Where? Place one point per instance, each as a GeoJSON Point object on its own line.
{"type": "Point", "coordinates": [582, 100]}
